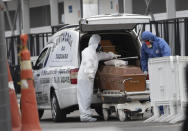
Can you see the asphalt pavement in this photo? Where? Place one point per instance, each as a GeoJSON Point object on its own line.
{"type": "Point", "coordinates": [73, 123]}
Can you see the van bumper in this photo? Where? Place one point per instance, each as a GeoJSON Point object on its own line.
{"type": "Point", "coordinates": [68, 97]}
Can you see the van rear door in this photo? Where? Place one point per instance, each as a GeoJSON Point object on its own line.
{"type": "Point", "coordinates": [112, 22]}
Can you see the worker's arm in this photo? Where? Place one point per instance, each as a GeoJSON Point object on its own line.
{"type": "Point", "coordinates": [106, 55]}
{"type": "Point", "coordinates": [144, 60]}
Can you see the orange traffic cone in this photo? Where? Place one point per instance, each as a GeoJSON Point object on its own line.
{"type": "Point", "coordinates": [15, 114]}
{"type": "Point", "coordinates": [30, 119]}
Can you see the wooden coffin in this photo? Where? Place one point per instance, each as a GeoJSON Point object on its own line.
{"type": "Point", "coordinates": [124, 78]}
{"type": "Point", "coordinates": [108, 46]}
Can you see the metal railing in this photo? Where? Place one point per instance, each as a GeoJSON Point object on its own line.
{"type": "Point", "coordinates": [174, 31]}
{"type": "Point", "coordinates": [36, 43]}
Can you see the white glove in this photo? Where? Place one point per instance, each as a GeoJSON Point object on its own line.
{"type": "Point", "coordinates": [114, 55]}
{"type": "Point", "coordinates": [91, 76]}
{"type": "Point", "coordinates": [145, 73]}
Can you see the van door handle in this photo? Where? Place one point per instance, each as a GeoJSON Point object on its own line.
{"type": "Point", "coordinates": [38, 75]}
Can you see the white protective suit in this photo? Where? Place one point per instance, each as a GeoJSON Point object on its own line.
{"type": "Point", "coordinates": [86, 75]}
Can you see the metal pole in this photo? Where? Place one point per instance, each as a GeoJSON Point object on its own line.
{"type": "Point", "coordinates": [8, 16]}
{"type": "Point", "coordinates": [98, 7]}
{"type": "Point", "coordinates": [186, 36]}
{"type": "Point", "coordinates": [15, 17]}
{"type": "Point", "coordinates": [5, 119]}
{"type": "Point", "coordinates": [81, 8]}
{"type": "Point", "coordinates": [20, 17]}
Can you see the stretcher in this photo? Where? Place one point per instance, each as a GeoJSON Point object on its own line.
{"type": "Point", "coordinates": [123, 91]}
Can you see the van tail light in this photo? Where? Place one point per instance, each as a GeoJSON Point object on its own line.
{"type": "Point", "coordinates": [147, 77]}
{"type": "Point", "coordinates": [73, 76]}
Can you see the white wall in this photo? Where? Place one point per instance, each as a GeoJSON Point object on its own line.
{"type": "Point", "coordinates": [74, 17]}
{"type": "Point", "coordinates": [182, 13]}
{"type": "Point", "coordinates": [90, 8]}
{"type": "Point", "coordinates": [128, 7]}
{"type": "Point", "coordinates": [105, 7]}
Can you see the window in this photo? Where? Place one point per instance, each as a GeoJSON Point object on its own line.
{"type": "Point", "coordinates": [156, 6]}
{"type": "Point", "coordinates": [181, 5]}
{"type": "Point", "coordinates": [70, 8]}
{"type": "Point", "coordinates": [111, 5]}
{"type": "Point", "coordinates": [47, 56]}
{"type": "Point", "coordinates": [41, 59]}
{"type": "Point", "coordinates": [40, 16]}
{"type": "Point", "coordinates": [61, 12]}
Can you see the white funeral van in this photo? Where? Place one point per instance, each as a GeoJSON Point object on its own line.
{"type": "Point", "coordinates": [55, 71]}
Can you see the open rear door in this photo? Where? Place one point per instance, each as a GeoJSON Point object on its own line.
{"type": "Point", "coordinates": [112, 22]}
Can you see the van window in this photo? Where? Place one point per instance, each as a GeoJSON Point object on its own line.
{"type": "Point", "coordinates": [41, 59]}
{"type": "Point", "coordinates": [47, 56]}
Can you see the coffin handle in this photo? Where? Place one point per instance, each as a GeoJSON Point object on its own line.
{"type": "Point", "coordinates": [126, 80]}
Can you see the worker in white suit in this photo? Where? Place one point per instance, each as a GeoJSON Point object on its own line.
{"type": "Point", "coordinates": [86, 75]}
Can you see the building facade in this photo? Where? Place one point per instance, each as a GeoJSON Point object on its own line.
{"type": "Point", "coordinates": [39, 15]}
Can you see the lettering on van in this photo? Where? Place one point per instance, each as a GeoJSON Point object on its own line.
{"type": "Point", "coordinates": [55, 72]}
{"type": "Point", "coordinates": [48, 72]}
{"type": "Point", "coordinates": [65, 79]}
{"type": "Point", "coordinates": [64, 37]}
{"type": "Point", "coordinates": [61, 56]}
{"type": "Point", "coordinates": [67, 37]}
{"type": "Point", "coordinates": [64, 71]}
{"type": "Point", "coordinates": [44, 80]}
{"type": "Point", "coordinates": [62, 48]}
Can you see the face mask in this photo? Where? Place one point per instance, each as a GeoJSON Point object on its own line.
{"type": "Point", "coordinates": [148, 43]}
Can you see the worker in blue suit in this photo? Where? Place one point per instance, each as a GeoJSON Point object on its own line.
{"type": "Point", "coordinates": [152, 47]}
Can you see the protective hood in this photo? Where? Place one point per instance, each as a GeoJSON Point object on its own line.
{"type": "Point", "coordinates": [146, 35]}
{"type": "Point", "coordinates": [94, 41]}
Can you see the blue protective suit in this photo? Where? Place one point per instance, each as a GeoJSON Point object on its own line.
{"type": "Point", "coordinates": [159, 49]}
